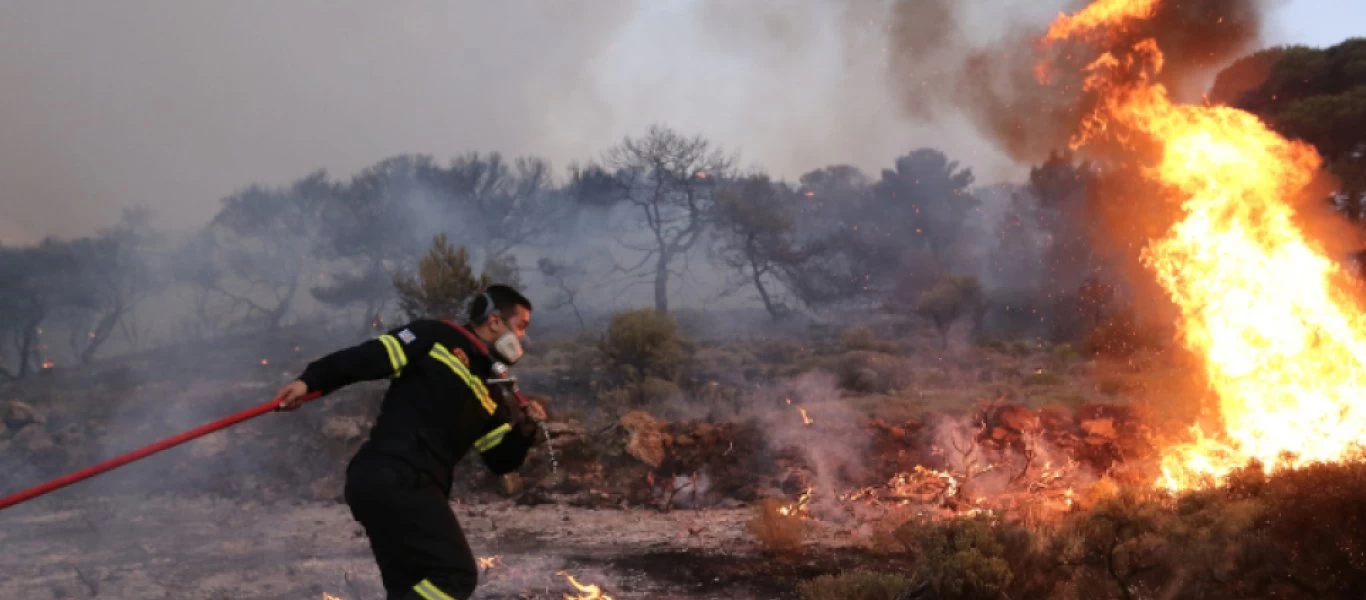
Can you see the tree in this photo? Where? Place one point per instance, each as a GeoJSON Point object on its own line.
{"type": "Point", "coordinates": [29, 289]}
{"type": "Point", "coordinates": [113, 274]}
{"type": "Point", "coordinates": [194, 263]}
{"type": "Point", "coordinates": [265, 237]}
{"type": "Point", "coordinates": [498, 204]}
{"type": "Point", "coordinates": [670, 180]}
{"type": "Point", "coordinates": [1314, 94]}
{"type": "Point", "coordinates": [443, 285]}
{"type": "Point", "coordinates": [566, 279]}
{"type": "Point", "coordinates": [949, 300]}
{"type": "Point", "coordinates": [755, 227]}
{"type": "Point", "coordinates": [924, 200]}
{"type": "Point", "coordinates": [372, 228]}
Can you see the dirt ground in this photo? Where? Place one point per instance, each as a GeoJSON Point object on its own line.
{"type": "Point", "coordinates": [208, 548]}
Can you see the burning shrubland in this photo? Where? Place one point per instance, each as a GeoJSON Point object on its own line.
{"type": "Point", "coordinates": [1135, 375]}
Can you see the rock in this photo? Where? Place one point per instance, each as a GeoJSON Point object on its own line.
{"type": "Point", "coordinates": [18, 414]}
{"type": "Point", "coordinates": [648, 438]}
{"type": "Point", "coordinates": [34, 438]}
{"type": "Point", "coordinates": [344, 429]}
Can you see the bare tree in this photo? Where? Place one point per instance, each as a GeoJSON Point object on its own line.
{"type": "Point", "coordinates": [755, 230]}
{"type": "Point", "coordinates": [265, 237]}
{"type": "Point", "coordinates": [499, 204]}
{"type": "Point", "coordinates": [114, 274]}
{"type": "Point", "coordinates": [671, 180]}
{"type": "Point", "coordinates": [566, 279]}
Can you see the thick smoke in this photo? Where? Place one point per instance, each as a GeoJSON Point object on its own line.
{"type": "Point", "coordinates": [997, 85]}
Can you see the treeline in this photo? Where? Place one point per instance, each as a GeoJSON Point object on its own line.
{"type": "Point", "coordinates": [661, 210]}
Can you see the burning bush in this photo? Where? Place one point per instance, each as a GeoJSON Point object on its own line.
{"type": "Point", "coordinates": [779, 528]}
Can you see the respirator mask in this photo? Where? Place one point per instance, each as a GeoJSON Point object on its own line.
{"type": "Point", "coordinates": [507, 349]}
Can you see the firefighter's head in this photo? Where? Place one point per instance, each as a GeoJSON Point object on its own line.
{"type": "Point", "coordinates": [500, 317]}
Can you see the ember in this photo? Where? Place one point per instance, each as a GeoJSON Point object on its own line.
{"type": "Point", "coordinates": [47, 364]}
{"type": "Point", "coordinates": [489, 562]}
{"type": "Point", "coordinates": [586, 592]}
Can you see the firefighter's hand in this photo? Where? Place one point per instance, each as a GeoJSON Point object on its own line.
{"type": "Point", "coordinates": [291, 396]}
{"type": "Point", "coordinates": [535, 411]}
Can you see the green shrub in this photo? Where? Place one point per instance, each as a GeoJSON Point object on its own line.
{"type": "Point", "coordinates": [859, 585]}
{"type": "Point", "coordinates": [958, 558]}
{"type": "Point", "coordinates": [444, 283]}
{"type": "Point", "coordinates": [641, 344]}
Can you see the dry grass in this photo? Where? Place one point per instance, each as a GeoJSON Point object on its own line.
{"type": "Point", "coordinates": [779, 533]}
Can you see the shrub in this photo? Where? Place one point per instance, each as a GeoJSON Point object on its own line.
{"type": "Point", "coordinates": [778, 532]}
{"type": "Point", "coordinates": [873, 373]}
{"type": "Point", "coordinates": [643, 344]}
{"type": "Point", "coordinates": [859, 585]}
{"type": "Point", "coordinates": [864, 339]}
{"type": "Point", "coordinates": [444, 283]}
{"type": "Point", "coordinates": [949, 300]}
{"type": "Point", "coordinates": [957, 558]}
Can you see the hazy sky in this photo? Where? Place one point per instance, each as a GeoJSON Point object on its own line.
{"type": "Point", "coordinates": [174, 104]}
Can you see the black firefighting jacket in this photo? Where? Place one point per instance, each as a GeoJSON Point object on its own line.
{"type": "Point", "coordinates": [437, 406]}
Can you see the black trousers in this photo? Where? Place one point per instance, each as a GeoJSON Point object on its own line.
{"type": "Point", "coordinates": [417, 542]}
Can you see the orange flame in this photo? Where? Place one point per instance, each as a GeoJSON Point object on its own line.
{"type": "Point", "coordinates": [586, 592]}
{"type": "Point", "coordinates": [1099, 16]}
{"type": "Point", "coordinates": [47, 364]}
{"type": "Point", "coordinates": [797, 508]}
{"type": "Point", "coordinates": [805, 418]}
{"type": "Point", "coordinates": [1284, 350]}
{"type": "Point", "coordinates": [489, 562]}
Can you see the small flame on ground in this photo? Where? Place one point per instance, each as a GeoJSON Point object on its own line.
{"type": "Point", "coordinates": [327, 596]}
{"type": "Point", "coordinates": [47, 364]}
{"type": "Point", "coordinates": [805, 418]}
{"type": "Point", "coordinates": [586, 592]}
{"type": "Point", "coordinates": [797, 508]}
{"type": "Point", "coordinates": [489, 562]}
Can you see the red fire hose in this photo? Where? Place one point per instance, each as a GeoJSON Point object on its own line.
{"type": "Point", "coordinates": [143, 452]}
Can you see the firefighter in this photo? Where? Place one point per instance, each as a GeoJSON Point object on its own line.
{"type": "Point", "coordinates": [439, 404]}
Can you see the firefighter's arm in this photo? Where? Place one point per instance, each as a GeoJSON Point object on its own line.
{"type": "Point", "coordinates": [384, 356]}
{"type": "Point", "coordinates": [505, 446]}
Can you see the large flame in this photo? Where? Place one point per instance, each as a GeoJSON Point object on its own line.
{"type": "Point", "coordinates": [1283, 346]}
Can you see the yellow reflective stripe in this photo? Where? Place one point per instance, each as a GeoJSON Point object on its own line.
{"type": "Point", "coordinates": [486, 443]}
{"type": "Point", "coordinates": [439, 352]}
{"type": "Point", "coordinates": [397, 358]}
{"type": "Point", "coordinates": [428, 590]}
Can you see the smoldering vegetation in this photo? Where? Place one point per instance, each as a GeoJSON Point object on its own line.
{"type": "Point", "coordinates": [961, 378]}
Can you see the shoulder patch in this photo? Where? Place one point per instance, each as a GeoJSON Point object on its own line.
{"type": "Point", "coordinates": [460, 354]}
{"type": "Point", "coordinates": [406, 336]}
